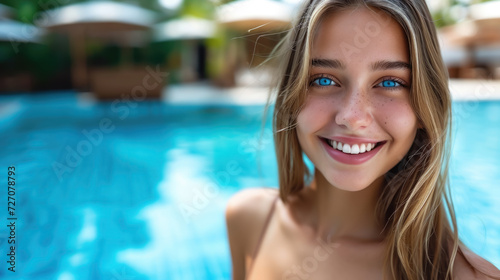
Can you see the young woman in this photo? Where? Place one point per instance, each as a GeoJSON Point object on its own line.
{"type": "Point", "coordinates": [363, 93]}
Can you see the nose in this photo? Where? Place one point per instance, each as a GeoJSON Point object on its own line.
{"type": "Point", "coordinates": [354, 111]}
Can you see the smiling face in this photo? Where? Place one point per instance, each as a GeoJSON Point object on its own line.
{"type": "Point", "coordinates": [358, 99]}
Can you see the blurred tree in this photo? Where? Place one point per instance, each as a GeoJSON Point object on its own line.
{"type": "Point", "coordinates": [197, 8]}
{"type": "Point", "coordinates": [453, 11]}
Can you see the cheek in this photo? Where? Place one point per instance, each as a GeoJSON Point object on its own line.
{"type": "Point", "coordinates": [314, 114]}
{"type": "Point", "coordinates": [398, 118]}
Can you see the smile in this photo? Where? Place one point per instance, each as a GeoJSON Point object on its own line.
{"type": "Point", "coordinates": [351, 153]}
{"type": "Point", "coordinates": [354, 149]}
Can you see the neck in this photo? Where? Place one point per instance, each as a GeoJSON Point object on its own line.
{"type": "Point", "coordinates": [344, 214]}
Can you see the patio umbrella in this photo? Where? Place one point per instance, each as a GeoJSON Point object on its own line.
{"type": "Point", "coordinates": [190, 31]}
{"type": "Point", "coordinates": [102, 19]}
{"type": "Point", "coordinates": [18, 32]}
{"type": "Point", "coordinates": [184, 29]}
{"type": "Point", "coordinates": [245, 15]}
{"type": "Point", "coordinates": [98, 16]}
{"type": "Point", "coordinates": [481, 28]}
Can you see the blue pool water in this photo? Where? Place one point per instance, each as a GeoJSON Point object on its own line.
{"type": "Point", "coordinates": [137, 191]}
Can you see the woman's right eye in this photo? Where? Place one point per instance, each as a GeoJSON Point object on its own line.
{"type": "Point", "coordinates": [322, 82]}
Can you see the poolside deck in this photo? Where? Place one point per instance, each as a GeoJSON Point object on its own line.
{"type": "Point", "coordinates": [475, 89]}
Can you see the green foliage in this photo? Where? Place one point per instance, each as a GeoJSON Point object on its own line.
{"type": "Point", "coordinates": [444, 17]}
{"type": "Point", "coordinates": [197, 8]}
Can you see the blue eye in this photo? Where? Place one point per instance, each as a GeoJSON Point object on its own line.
{"type": "Point", "coordinates": [390, 84]}
{"type": "Point", "coordinates": [323, 81]}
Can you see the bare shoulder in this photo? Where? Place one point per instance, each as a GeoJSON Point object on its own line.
{"type": "Point", "coordinates": [470, 266]}
{"type": "Point", "coordinates": [245, 216]}
{"type": "Point", "coordinates": [246, 198]}
{"type": "Point", "coordinates": [247, 209]}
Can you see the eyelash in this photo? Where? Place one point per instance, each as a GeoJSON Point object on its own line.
{"type": "Point", "coordinates": [400, 82]}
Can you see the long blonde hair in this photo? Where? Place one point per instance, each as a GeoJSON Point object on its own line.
{"type": "Point", "coordinates": [422, 240]}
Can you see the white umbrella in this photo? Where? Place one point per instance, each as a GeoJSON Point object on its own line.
{"type": "Point", "coordinates": [487, 10]}
{"type": "Point", "coordinates": [246, 15]}
{"type": "Point", "coordinates": [99, 15]}
{"type": "Point", "coordinates": [18, 32]}
{"type": "Point", "coordinates": [184, 29]}
{"type": "Point", "coordinates": [103, 19]}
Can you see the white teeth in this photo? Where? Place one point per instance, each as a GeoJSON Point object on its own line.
{"type": "Point", "coordinates": [362, 148]}
{"type": "Point", "coordinates": [354, 149]}
{"type": "Point", "coordinates": [346, 148]}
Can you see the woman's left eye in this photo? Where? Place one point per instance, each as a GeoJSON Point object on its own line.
{"type": "Point", "coordinates": [390, 84]}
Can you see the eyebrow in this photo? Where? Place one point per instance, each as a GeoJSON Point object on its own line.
{"type": "Point", "coordinates": [386, 65]}
{"type": "Point", "coordinates": [379, 65]}
{"type": "Point", "coordinates": [327, 63]}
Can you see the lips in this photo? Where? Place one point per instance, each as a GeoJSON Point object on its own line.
{"type": "Point", "coordinates": [357, 151]}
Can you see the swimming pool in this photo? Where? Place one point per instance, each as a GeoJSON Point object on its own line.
{"type": "Point", "coordinates": [137, 191]}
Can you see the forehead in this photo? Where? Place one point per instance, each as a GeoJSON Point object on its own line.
{"type": "Point", "coordinates": [360, 34]}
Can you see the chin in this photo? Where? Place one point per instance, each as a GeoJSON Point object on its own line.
{"type": "Point", "coordinates": [350, 184]}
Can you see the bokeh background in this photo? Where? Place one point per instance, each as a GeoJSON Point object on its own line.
{"type": "Point", "coordinates": [131, 123]}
